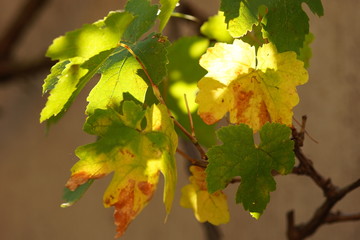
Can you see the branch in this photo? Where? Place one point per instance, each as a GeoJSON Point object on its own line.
{"type": "Point", "coordinates": [9, 70]}
{"type": "Point", "coordinates": [17, 28]}
{"type": "Point", "coordinates": [198, 162]}
{"type": "Point", "coordinates": [340, 217]}
{"type": "Point", "coordinates": [332, 193]}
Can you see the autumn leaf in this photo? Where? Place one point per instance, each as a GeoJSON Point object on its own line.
{"type": "Point", "coordinates": [253, 88]}
{"type": "Point", "coordinates": [239, 156]}
{"type": "Point", "coordinates": [208, 207]}
{"type": "Point", "coordinates": [135, 153]}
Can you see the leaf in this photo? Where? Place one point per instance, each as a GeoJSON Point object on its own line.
{"type": "Point", "coordinates": [239, 156]}
{"type": "Point", "coordinates": [255, 89]}
{"type": "Point", "coordinates": [71, 197]}
{"type": "Point", "coordinates": [145, 16]}
{"type": "Point", "coordinates": [80, 59]}
{"type": "Point", "coordinates": [136, 155]}
{"type": "Point", "coordinates": [53, 78]}
{"type": "Point", "coordinates": [215, 28]}
{"type": "Point", "coordinates": [122, 73]}
{"type": "Point", "coordinates": [284, 22]}
{"type": "Point", "coordinates": [183, 73]}
{"type": "Point", "coordinates": [167, 7]}
{"type": "Point", "coordinates": [65, 86]}
{"type": "Point", "coordinates": [91, 39]}
{"type": "Point", "coordinates": [305, 51]}
{"type": "Point", "coordinates": [208, 207]}
{"type": "Point", "coordinates": [62, 87]}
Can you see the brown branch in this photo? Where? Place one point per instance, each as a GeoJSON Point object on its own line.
{"type": "Point", "coordinates": [9, 70]}
{"type": "Point", "coordinates": [17, 28]}
{"type": "Point", "coordinates": [332, 193]}
{"type": "Point", "coordinates": [198, 162]}
{"type": "Point", "coordinates": [340, 217]}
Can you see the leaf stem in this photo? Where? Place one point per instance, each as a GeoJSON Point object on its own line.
{"type": "Point", "coordinates": [185, 16]}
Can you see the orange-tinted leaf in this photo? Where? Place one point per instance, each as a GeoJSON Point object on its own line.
{"type": "Point", "coordinates": [136, 155]}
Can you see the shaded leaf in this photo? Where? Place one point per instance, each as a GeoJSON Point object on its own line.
{"type": "Point", "coordinates": [239, 156]}
{"type": "Point", "coordinates": [306, 52]}
{"type": "Point", "coordinates": [145, 16]}
{"type": "Point", "coordinates": [284, 22]}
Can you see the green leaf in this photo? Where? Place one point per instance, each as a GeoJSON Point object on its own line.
{"type": "Point", "coordinates": [122, 73]}
{"type": "Point", "coordinates": [153, 54]}
{"type": "Point", "coordinates": [239, 156]}
{"type": "Point", "coordinates": [215, 28]}
{"type": "Point", "coordinates": [65, 86]}
{"type": "Point", "coordinates": [167, 7]}
{"type": "Point", "coordinates": [306, 52]}
{"type": "Point", "coordinates": [145, 16]}
{"type": "Point", "coordinates": [136, 156]}
{"type": "Point", "coordinates": [183, 73]}
{"type": "Point", "coordinates": [284, 22]}
{"type": "Point", "coordinates": [71, 197]}
{"type": "Point", "coordinates": [91, 39]}
{"type": "Point", "coordinates": [81, 53]}
{"type": "Point", "coordinates": [54, 76]}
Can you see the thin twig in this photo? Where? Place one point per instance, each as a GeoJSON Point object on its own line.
{"type": "Point", "coordinates": [198, 162]}
{"type": "Point", "coordinates": [189, 116]}
{"type": "Point", "coordinates": [340, 217]}
{"type": "Point", "coordinates": [306, 132]}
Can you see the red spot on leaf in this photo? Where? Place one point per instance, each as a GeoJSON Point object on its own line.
{"type": "Point", "coordinates": [264, 115]}
{"type": "Point", "coordinates": [130, 203]}
{"type": "Point", "coordinates": [80, 178]}
{"type": "Point", "coordinates": [241, 103]}
{"type": "Point", "coordinates": [146, 188]}
{"type": "Point", "coordinates": [124, 209]}
{"type": "Point", "coordinates": [208, 118]}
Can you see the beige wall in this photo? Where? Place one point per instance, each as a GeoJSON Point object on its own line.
{"type": "Point", "coordinates": [34, 167]}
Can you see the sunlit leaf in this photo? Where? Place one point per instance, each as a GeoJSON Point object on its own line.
{"type": "Point", "coordinates": [253, 88]}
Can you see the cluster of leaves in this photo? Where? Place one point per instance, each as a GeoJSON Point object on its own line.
{"type": "Point", "coordinates": [249, 76]}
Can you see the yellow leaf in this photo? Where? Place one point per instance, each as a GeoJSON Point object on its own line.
{"type": "Point", "coordinates": [207, 207]}
{"type": "Point", "coordinates": [253, 88]}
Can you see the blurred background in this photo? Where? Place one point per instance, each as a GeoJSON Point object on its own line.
{"type": "Point", "coordinates": [34, 166]}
